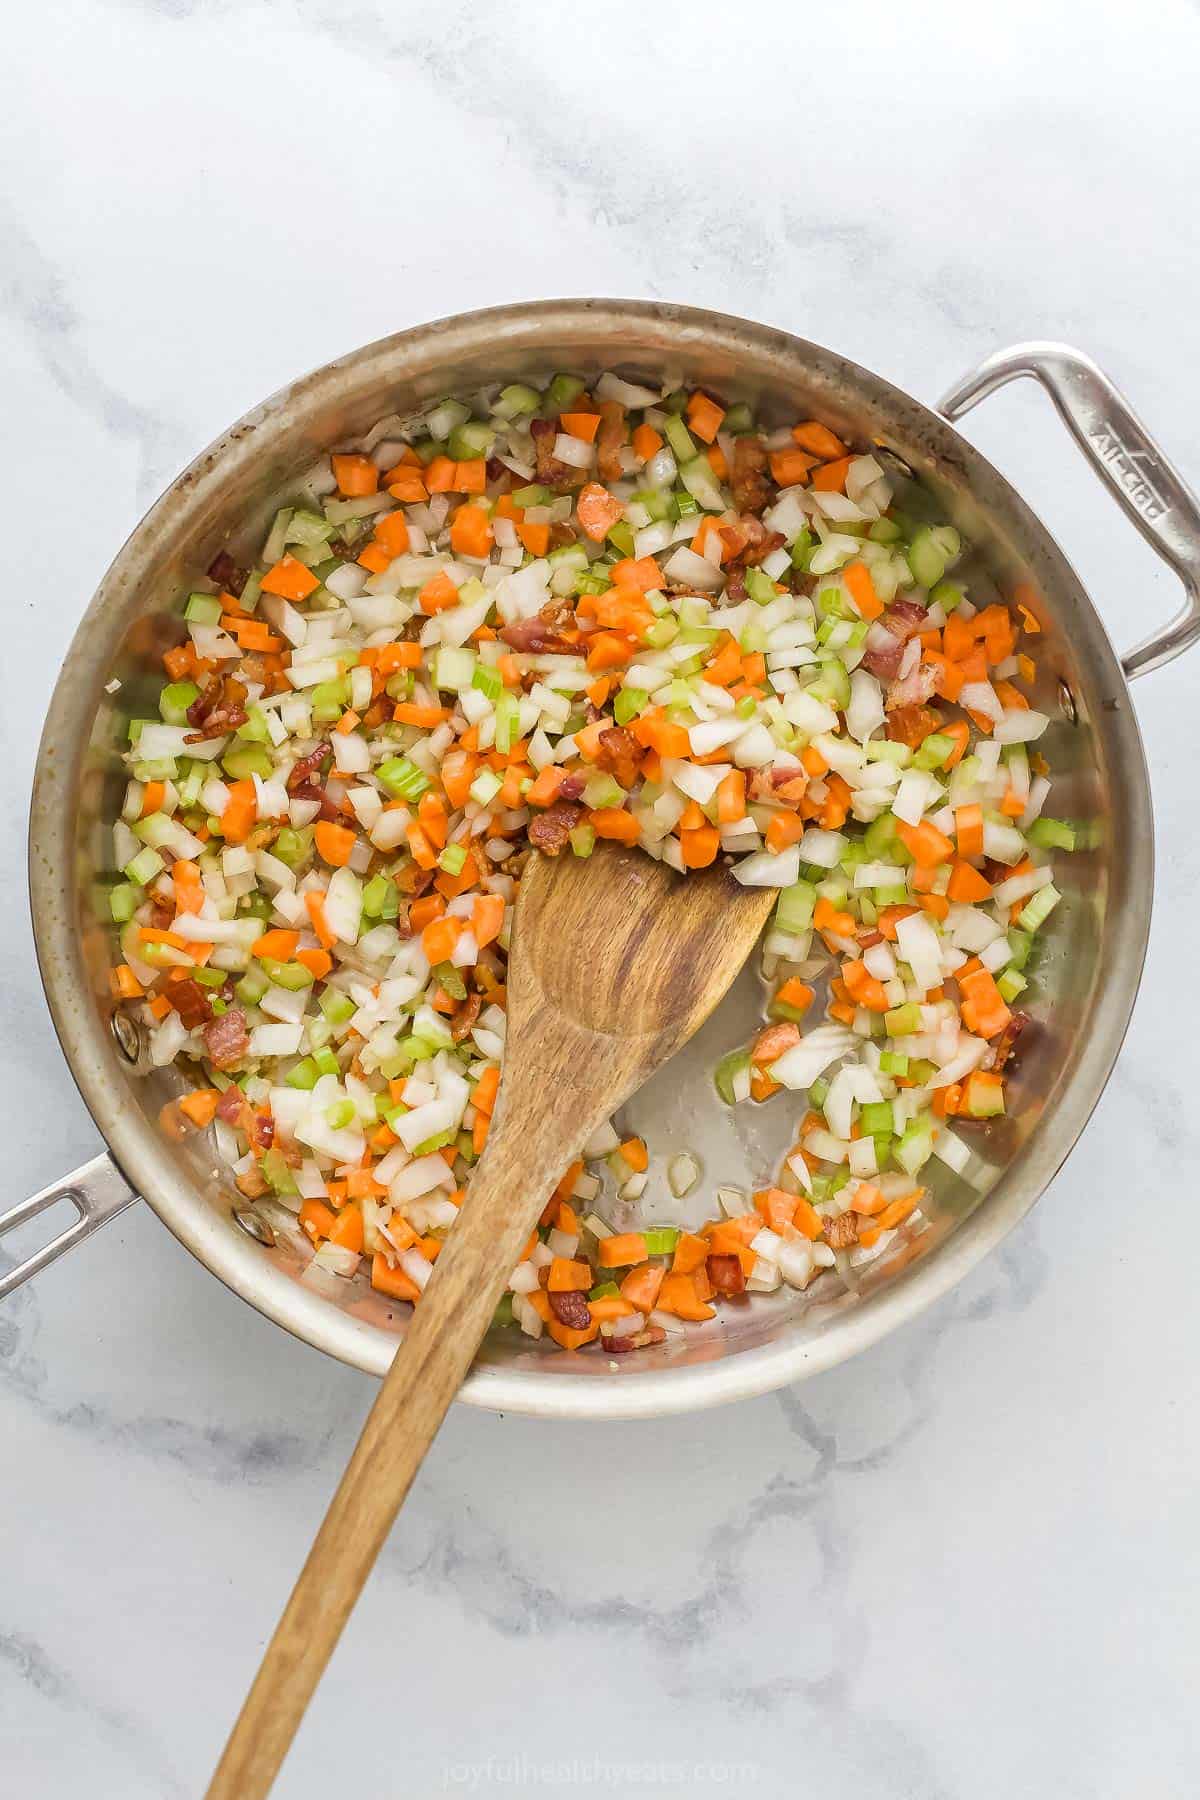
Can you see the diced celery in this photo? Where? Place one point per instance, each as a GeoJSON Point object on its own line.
{"type": "Point", "coordinates": [374, 896]}
{"type": "Point", "coordinates": [681, 506]}
{"type": "Point", "coordinates": [330, 700]}
{"type": "Point", "coordinates": [305, 1075]}
{"type": "Point", "coordinates": [832, 684]}
{"type": "Point", "coordinates": [602, 791]}
{"type": "Point", "coordinates": [254, 906]}
{"type": "Point", "coordinates": [290, 975]}
{"type": "Point", "coordinates": [487, 681]}
{"type": "Point", "coordinates": [877, 1116]}
{"type": "Point", "coordinates": [276, 1172]}
{"type": "Point", "coordinates": [308, 528]}
{"type": "Point", "coordinates": [698, 478]}
{"type": "Point", "coordinates": [277, 536]}
{"type": "Point", "coordinates": [202, 609]}
{"type": "Point", "coordinates": [503, 1315]}
{"type": "Point", "coordinates": [738, 420]}
{"type": "Point", "coordinates": [583, 840]}
{"type": "Point", "coordinates": [802, 549]}
{"type": "Point", "coordinates": [428, 448]}
{"type": "Point", "coordinates": [1010, 984]}
{"type": "Point", "coordinates": [293, 846]}
{"type": "Point", "coordinates": [903, 1020]}
{"type": "Point", "coordinates": [1036, 911]}
{"type": "Point", "coordinates": [470, 440]}
{"type": "Point", "coordinates": [438, 1141]}
{"type": "Point", "coordinates": [252, 986]}
{"type": "Point", "coordinates": [336, 1006]}
{"type": "Point", "coordinates": [325, 1060]}
{"type": "Point", "coordinates": [662, 633]}
{"type": "Point", "coordinates": [515, 400]}
{"type": "Point", "coordinates": [450, 980]}
{"type": "Point", "coordinates": [982, 1100]}
{"type": "Point", "coordinates": [533, 495]}
{"type": "Point", "coordinates": [661, 1240]}
{"type": "Point", "coordinates": [454, 670]}
{"type": "Point", "coordinates": [1052, 834]}
{"type": "Point", "coordinates": [883, 531]}
{"type": "Point", "coordinates": [947, 595]}
{"type": "Point", "coordinates": [884, 750]}
{"type": "Point", "coordinates": [727, 1071]}
{"type": "Point", "coordinates": [934, 750]}
{"type": "Point", "coordinates": [142, 868]}
{"type": "Point", "coordinates": [402, 778]}
{"type": "Point", "coordinates": [486, 786]}
{"type": "Point", "coordinates": [925, 559]}
{"type": "Point", "coordinates": [507, 718]}
{"type": "Point", "coordinates": [818, 1093]}
{"type": "Point", "coordinates": [683, 445]}
{"type": "Point", "coordinates": [915, 1146]}
{"type": "Point", "coordinates": [255, 730]}
{"type": "Point", "coordinates": [593, 581]}
{"type": "Point", "coordinates": [891, 1062]}
{"type": "Point", "coordinates": [175, 699]}
{"type": "Point", "coordinates": [794, 908]}
{"type": "Point", "coordinates": [760, 587]}
{"type": "Point", "coordinates": [562, 393]}
{"type": "Point", "coordinates": [243, 760]}
{"type": "Point", "coordinates": [123, 902]}
{"type": "Point", "coordinates": [453, 859]}
{"type": "Point", "coordinates": [628, 704]}
{"type": "Point", "coordinates": [340, 1114]}
{"type": "Point", "coordinates": [604, 1290]}
{"type": "Point", "coordinates": [210, 977]}
{"type": "Point", "coordinates": [746, 709]}
{"type": "Point", "coordinates": [675, 401]}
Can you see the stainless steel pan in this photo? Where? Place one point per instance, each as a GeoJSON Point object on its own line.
{"type": "Point", "coordinates": [1086, 983]}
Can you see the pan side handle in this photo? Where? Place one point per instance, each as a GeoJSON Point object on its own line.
{"type": "Point", "coordinates": [1139, 475]}
{"type": "Point", "coordinates": [97, 1190]}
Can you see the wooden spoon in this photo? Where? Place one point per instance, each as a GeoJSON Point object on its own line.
{"type": "Point", "coordinates": [615, 962]}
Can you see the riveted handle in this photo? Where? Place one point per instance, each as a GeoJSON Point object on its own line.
{"type": "Point", "coordinates": [98, 1191]}
{"type": "Point", "coordinates": [1139, 475]}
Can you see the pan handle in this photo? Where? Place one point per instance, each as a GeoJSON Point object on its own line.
{"type": "Point", "coordinates": [97, 1190]}
{"type": "Point", "coordinates": [1149, 489]}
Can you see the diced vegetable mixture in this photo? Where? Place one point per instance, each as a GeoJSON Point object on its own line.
{"type": "Point", "coordinates": [551, 617]}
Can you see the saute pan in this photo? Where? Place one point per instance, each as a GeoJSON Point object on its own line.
{"type": "Point", "coordinates": [1085, 983]}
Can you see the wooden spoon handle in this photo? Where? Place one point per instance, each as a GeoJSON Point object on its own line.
{"type": "Point", "coordinates": [526, 1153]}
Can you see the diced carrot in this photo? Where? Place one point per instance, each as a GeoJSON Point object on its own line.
{"type": "Point", "coordinates": [726, 665]}
{"type": "Point", "coordinates": [678, 1296]}
{"type": "Point", "coordinates": [968, 830]}
{"type": "Point", "coordinates": [830, 478]}
{"type": "Point", "coordinates": [784, 830]}
{"type": "Point", "coordinates": [392, 1281]}
{"type": "Point", "coordinates": [487, 918]}
{"type": "Point", "coordinates": [966, 886]}
{"type": "Point", "coordinates": [690, 1252]}
{"type": "Point", "coordinates": [731, 797]}
{"type": "Point", "coordinates": [535, 538]}
{"type": "Point", "coordinates": [440, 475]}
{"type": "Point", "coordinates": [427, 717]}
{"type": "Point", "coordinates": [598, 510]}
{"type": "Point", "coordinates": [567, 1277]}
{"type": "Point", "coordinates": [347, 1229]}
{"type": "Point", "coordinates": [317, 962]}
{"type": "Point", "coordinates": [392, 532]}
{"type": "Point", "coordinates": [983, 1007]}
{"type": "Point", "coordinates": [641, 1285]}
{"type": "Point", "coordinates": [315, 906]}
{"type": "Point", "coordinates": [615, 823]}
{"type": "Point", "coordinates": [811, 435]}
{"type": "Point", "coordinates": [290, 580]}
{"type": "Point", "coordinates": [643, 575]}
{"type": "Point", "coordinates": [796, 993]}
{"type": "Point", "coordinates": [279, 944]}
{"type": "Point", "coordinates": [486, 1088]}
{"type": "Point", "coordinates": [622, 1250]}
{"type": "Point", "coordinates": [937, 906]}
{"type": "Point", "coordinates": [471, 532]}
{"type": "Point", "coordinates": [438, 593]}
{"type": "Point", "coordinates": [925, 843]}
{"type": "Point", "coordinates": [580, 425]}
{"type": "Point", "coordinates": [438, 940]}
{"type": "Point", "coordinates": [826, 917]}
{"type": "Point", "coordinates": [200, 1106]}
{"type": "Point", "coordinates": [807, 1219]}
{"type": "Point", "coordinates": [789, 467]}
{"type": "Point", "coordinates": [772, 1041]}
{"type": "Point", "coordinates": [863, 987]}
{"type": "Point", "coordinates": [334, 842]}
{"type": "Point", "coordinates": [470, 476]}
{"type": "Point", "coordinates": [406, 485]}
{"type": "Point", "coordinates": [704, 417]}
{"type": "Point", "coordinates": [316, 1219]}
{"type": "Point", "coordinates": [241, 811]}
{"type": "Point", "coordinates": [568, 1338]}
{"type": "Point", "coordinates": [857, 578]}
{"type": "Point", "coordinates": [424, 911]}
{"type": "Point", "coordinates": [124, 984]}
{"type": "Point", "coordinates": [776, 1207]}
{"type": "Point", "coordinates": [717, 462]}
{"type": "Point", "coordinates": [647, 442]}
{"type": "Point", "coordinates": [607, 650]}
{"type": "Point", "coordinates": [700, 847]}
{"type": "Point", "coordinates": [374, 557]}
{"type": "Point", "coordinates": [355, 475]}
{"type": "Point", "coordinates": [762, 1085]}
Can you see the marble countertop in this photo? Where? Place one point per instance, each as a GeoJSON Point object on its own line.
{"type": "Point", "coordinates": [961, 1566]}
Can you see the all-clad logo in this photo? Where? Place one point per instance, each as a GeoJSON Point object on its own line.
{"type": "Point", "coordinates": [1128, 466]}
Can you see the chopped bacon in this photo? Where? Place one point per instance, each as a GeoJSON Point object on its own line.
{"type": "Point", "coordinates": [536, 636]}
{"type": "Point", "coordinates": [735, 589]}
{"type": "Point", "coordinates": [498, 471]}
{"type": "Point", "coordinates": [748, 477]}
{"type": "Point", "coordinates": [549, 831]}
{"type": "Point", "coordinates": [571, 1309]}
{"type": "Point", "coordinates": [572, 787]}
{"type": "Point", "coordinates": [262, 1130]}
{"type": "Point", "coordinates": [550, 471]}
{"type": "Point", "coordinates": [756, 542]}
{"type": "Point", "coordinates": [1005, 1047]}
{"type": "Point", "coordinates": [190, 1002]}
{"type": "Point", "coordinates": [841, 1232]}
{"type": "Point", "coordinates": [888, 636]}
{"type": "Point", "coordinates": [619, 1343]}
{"type": "Point", "coordinates": [225, 572]}
{"type": "Point", "coordinates": [912, 689]}
{"type": "Point", "coordinates": [609, 440]}
{"type": "Point", "coordinates": [619, 755]}
{"type": "Point", "coordinates": [726, 1274]}
{"type": "Point", "coordinates": [219, 708]}
{"type": "Point", "coordinates": [226, 1038]}
{"type": "Point", "coordinates": [305, 769]}
{"type": "Point", "coordinates": [229, 1106]}
{"type": "Point", "coordinates": [463, 1022]}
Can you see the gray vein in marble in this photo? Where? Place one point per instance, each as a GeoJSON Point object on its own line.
{"type": "Point", "coordinates": [34, 295]}
{"type": "Point", "coordinates": [30, 1665]}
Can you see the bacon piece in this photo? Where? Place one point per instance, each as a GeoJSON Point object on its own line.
{"type": "Point", "coordinates": [756, 545]}
{"type": "Point", "coordinates": [190, 1002]}
{"type": "Point", "coordinates": [217, 709]}
{"type": "Point", "coordinates": [229, 1106]}
{"type": "Point", "coordinates": [226, 573]}
{"type": "Point", "coordinates": [262, 1130]}
{"type": "Point", "coordinates": [748, 478]}
{"type": "Point", "coordinates": [620, 1343]}
{"type": "Point", "coordinates": [888, 636]}
{"type": "Point", "coordinates": [1005, 1047]}
{"type": "Point", "coordinates": [572, 787]}
{"type": "Point", "coordinates": [549, 831]}
{"type": "Point", "coordinates": [912, 689]}
{"type": "Point", "coordinates": [536, 636]}
{"type": "Point", "coordinates": [464, 1019]}
{"type": "Point", "coordinates": [550, 471]}
{"type": "Point", "coordinates": [306, 768]}
{"type": "Point", "coordinates": [226, 1038]}
{"type": "Point", "coordinates": [841, 1232]}
{"type": "Point", "coordinates": [619, 755]}
{"type": "Point", "coordinates": [571, 1309]}
{"type": "Point", "coordinates": [911, 725]}
{"type": "Point", "coordinates": [725, 1273]}
{"type": "Point", "coordinates": [609, 439]}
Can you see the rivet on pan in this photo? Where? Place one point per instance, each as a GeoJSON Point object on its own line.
{"type": "Point", "coordinates": [1066, 700]}
{"type": "Point", "coordinates": [255, 1227]}
{"type": "Point", "coordinates": [128, 1038]}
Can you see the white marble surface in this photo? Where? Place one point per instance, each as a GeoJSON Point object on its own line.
{"type": "Point", "coordinates": [962, 1566]}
